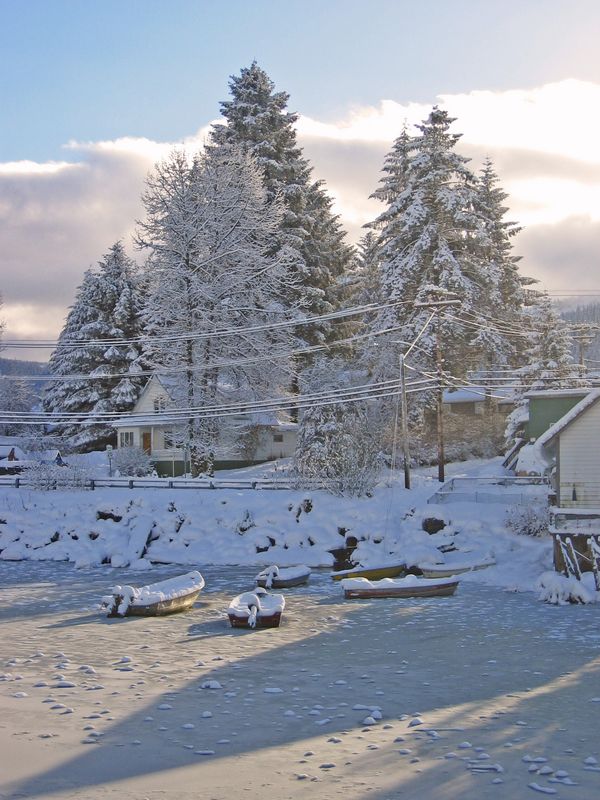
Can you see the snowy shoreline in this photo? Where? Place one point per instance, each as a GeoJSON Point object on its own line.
{"type": "Point", "coordinates": [245, 527]}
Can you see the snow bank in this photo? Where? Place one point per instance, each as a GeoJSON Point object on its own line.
{"type": "Point", "coordinates": [559, 590]}
{"type": "Point", "coordinates": [136, 529]}
{"type": "Point", "coordinates": [532, 460]}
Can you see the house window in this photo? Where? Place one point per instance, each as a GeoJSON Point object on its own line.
{"type": "Point", "coordinates": [278, 437]}
{"type": "Point", "coordinates": [126, 439]}
{"type": "Point", "coordinates": [169, 439]}
{"type": "Point", "coordinates": [159, 405]}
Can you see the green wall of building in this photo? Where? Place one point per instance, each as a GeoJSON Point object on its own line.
{"type": "Point", "coordinates": [545, 411]}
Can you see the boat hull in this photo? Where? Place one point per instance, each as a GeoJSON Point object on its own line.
{"type": "Point", "coordinates": [262, 621]}
{"type": "Point", "coordinates": [283, 583]}
{"type": "Point", "coordinates": [159, 609]}
{"type": "Point", "coordinates": [447, 571]}
{"type": "Point", "coordinates": [442, 590]}
{"type": "Point", "coordinates": [372, 574]}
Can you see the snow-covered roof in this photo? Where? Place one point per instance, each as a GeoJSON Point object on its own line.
{"type": "Point", "coordinates": [168, 382]}
{"type": "Point", "coordinates": [546, 393]}
{"type": "Point", "coordinates": [45, 455]}
{"type": "Point", "coordinates": [7, 449]}
{"type": "Point", "coordinates": [475, 394]}
{"type": "Point", "coordinates": [559, 426]}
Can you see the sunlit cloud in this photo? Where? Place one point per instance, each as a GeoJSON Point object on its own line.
{"type": "Point", "coordinates": [35, 168]}
{"type": "Point", "coordinates": [538, 201]}
{"type": "Point", "coordinates": [33, 321]}
{"type": "Point", "coordinates": [561, 118]}
{"type": "Point", "coordinates": [59, 217]}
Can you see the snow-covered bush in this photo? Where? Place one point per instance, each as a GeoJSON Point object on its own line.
{"type": "Point", "coordinates": [559, 590]}
{"type": "Point", "coordinates": [338, 444]}
{"type": "Point", "coordinates": [529, 520]}
{"type": "Point", "coordinates": [47, 477]}
{"type": "Point", "coordinates": [132, 462]}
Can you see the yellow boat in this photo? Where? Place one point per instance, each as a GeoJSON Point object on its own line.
{"type": "Point", "coordinates": [371, 573]}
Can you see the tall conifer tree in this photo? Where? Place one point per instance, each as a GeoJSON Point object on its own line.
{"type": "Point", "coordinates": [107, 306]}
{"type": "Point", "coordinates": [258, 120]}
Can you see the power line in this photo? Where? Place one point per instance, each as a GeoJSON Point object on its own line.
{"type": "Point", "coordinates": [199, 335]}
{"type": "Point", "coordinates": [205, 367]}
{"type": "Point", "coordinates": [239, 407]}
{"type": "Point", "coordinates": [284, 405]}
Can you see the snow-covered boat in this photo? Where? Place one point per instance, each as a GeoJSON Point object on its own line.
{"type": "Point", "coordinates": [274, 577]}
{"type": "Point", "coordinates": [447, 570]}
{"type": "Point", "coordinates": [257, 609]}
{"type": "Point", "coordinates": [410, 586]}
{"type": "Point", "coordinates": [371, 573]}
{"type": "Point", "coordinates": [156, 599]}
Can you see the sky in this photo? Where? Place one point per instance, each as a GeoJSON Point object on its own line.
{"type": "Point", "coordinates": [93, 93]}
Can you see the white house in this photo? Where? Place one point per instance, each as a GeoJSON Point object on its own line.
{"type": "Point", "coordinates": [273, 438]}
{"type": "Point", "coordinates": [574, 444]}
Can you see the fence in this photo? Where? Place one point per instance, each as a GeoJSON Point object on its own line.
{"type": "Point", "coordinates": [473, 490]}
{"type": "Point", "coordinates": [22, 482]}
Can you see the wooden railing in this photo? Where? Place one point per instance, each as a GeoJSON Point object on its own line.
{"type": "Point", "coordinates": [22, 481]}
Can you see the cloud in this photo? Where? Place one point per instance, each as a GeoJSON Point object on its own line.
{"type": "Point", "coordinates": [58, 218]}
{"type": "Point", "coordinates": [564, 255]}
{"type": "Point", "coordinates": [559, 118]}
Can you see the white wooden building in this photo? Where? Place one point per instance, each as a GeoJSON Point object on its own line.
{"type": "Point", "coordinates": [273, 439]}
{"type": "Point", "coordinates": [574, 444]}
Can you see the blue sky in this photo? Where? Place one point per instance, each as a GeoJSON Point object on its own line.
{"type": "Point", "coordinates": [100, 69]}
{"type": "Point", "coordinates": [93, 92]}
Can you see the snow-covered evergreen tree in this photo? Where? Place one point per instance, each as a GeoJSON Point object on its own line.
{"type": "Point", "coordinates": [107, 307]}
{"type": "Point", "coordinates": [210, 229]}
{"type": "Point", "coordinates": [506, 295]}
{"type": "Point", "coordinates": [430, 237]}
{"type": "Point", "coordinates": [258, 120]}
{"type": "Point", "coordinates": [548, 360]}
{"type": "Point", "coordinates": [16, 397]}
{"type": "Point", "coordinates": [338, 443]}
{"type": "Point", "coordinates": [364, 279]}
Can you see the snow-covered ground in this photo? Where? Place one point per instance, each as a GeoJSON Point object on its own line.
{"type": "Point", "coordinates": [487, 694]}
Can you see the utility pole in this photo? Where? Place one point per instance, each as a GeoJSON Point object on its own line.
{"type": "Point", "coordinates": [440, 397]}
{"type": "Point", "coordinates": [438, 306]}
{"type": "Point", "coordinates": [405, 445]}
{"type": "Point", "coordinates": [583, 335]}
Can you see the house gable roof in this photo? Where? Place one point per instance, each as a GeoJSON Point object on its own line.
{"type": "Point", "coordinates": [588, 401]}
{"type": "Point", "coordinates": [152, 380]}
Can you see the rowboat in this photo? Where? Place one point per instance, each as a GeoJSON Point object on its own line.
{"type": "Point", "coordinates": [410, 586]}
{"type": "Point", "coordinates": [371, 573]}
{"type": "Point", "coordinates": [275, 578]}
{"type": "Point", "coordinates": [257, 609]}
{"type": "Point", "coordinates": [155, 599]}
{"type": "Point", "coordinates": [448, 570]}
